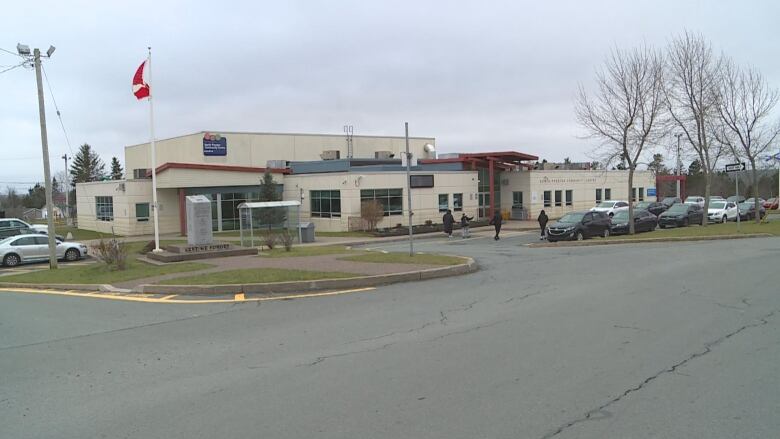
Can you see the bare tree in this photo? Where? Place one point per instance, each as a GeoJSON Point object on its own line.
{"type": "Point", "coordinates": [692, 80]}
{"type": "Point", "coordinates": [746, 101]}
{"type": "Point", "coordinates": [626, 111]}
{"type": "Point", "coordinates": [372, 212]}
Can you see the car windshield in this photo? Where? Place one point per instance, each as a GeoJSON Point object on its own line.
{"type": "Point", "coordinates": [717, 205]}
{"type": "Point", "coordinates": [606, 204]}
{"type": "Point", "coordinates": [620, 217]}
{"type": "Point", "coordinates": [642, 205]}
{"type": "Point", "coordinates": [678, 208]}
{"type": "Point", "coordinates": [692, 200]}
{"type": "Point", "coordinates": [571, 218]}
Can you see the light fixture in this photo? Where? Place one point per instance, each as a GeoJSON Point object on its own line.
{"type": "Point", "coordinates": [50, 51]}
{"type": "Point", "coordinates": [23, 49]}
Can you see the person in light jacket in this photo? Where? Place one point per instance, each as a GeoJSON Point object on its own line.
{"type": "Point", "coordinates": [464, 226]}
{"type": "Point", "coordinates": [542, 222]}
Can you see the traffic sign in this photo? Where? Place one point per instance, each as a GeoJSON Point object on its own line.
{"type": "Point", "coordinates": [734, 167]}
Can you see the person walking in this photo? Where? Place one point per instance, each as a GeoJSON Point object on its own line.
{"type": "Point", "coordinates": [496, 222]}
{"type": "Point", "coordinates": [464, 226]}
{"type": "Point", "coordinates": [542, 223]}
{"type": "Point", "coordinates": [448, 220]}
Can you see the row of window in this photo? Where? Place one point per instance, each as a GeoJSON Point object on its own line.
{"type": "Point", "coordinates": [558, 198]}
{"type": "Point", "coordinates": [104, 210]}
{"type": "Point", "coordinates": [457, 202]}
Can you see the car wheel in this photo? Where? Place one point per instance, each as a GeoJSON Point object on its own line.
{"type": "Point", "coordinates": [72, 255]}
{"type": "Point", "coordinates": [11, 260]}
{"type": "Point", "coordinates": [611, 214]}
{"type": "Point", "coordinates": [579, 236]}
{"type": "Point", "coordinates": [606, 233]}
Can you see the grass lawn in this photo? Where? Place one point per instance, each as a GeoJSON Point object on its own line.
{"type": "Point", "coordinates": [772, 227]}
{"type": "Point", "coordinates": [315, 250]}
{"type": "Point", "coordinates": [237, 234]}
{"type": "Point", "coordinates": [255, 275]}
{"type": "Point", "coordinates": [98, 273]}
{"type": "Point", "coordinates": [404, 258]}
{"type": "Point", "coordinates": [78, 234]}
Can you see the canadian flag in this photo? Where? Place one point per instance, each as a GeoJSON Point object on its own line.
{"type": "Point", "coordinates": [140, 87]}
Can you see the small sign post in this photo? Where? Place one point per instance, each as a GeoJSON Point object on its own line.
{"type": "Point", "coordinates": [736, 167]}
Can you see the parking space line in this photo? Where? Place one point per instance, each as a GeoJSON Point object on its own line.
{"type": "Point", "coordinates": [170, 296]}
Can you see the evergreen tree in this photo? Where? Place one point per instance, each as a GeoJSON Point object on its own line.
{"type": "Point", "coordinates": [87, 166]}
{"type": "Point", "coordinates": [694, 167]}
{"type": "Point", "coordinates": [116, 169]}
{"type": "Point", "coordinates": [36, 196]}
{"type": "Point", "coordinates": [657, 166]}
{"type": "Point", "coordinates": [268, 192]}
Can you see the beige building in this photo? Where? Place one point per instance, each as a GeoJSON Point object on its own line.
{"type": "Point", "coordinates": [332, 176]}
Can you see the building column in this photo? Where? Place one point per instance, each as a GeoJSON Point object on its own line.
{"type": "Point", "coordinates": [182, 213]}
{"type": "Point", "coordinates": [491, 177]}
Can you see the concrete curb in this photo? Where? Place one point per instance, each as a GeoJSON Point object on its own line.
{"type": "Point", "coordinates": [104, 288]}
{"type": "Point", "coordinates": [314, 285]}
{"type": "Point", "coordinates": [645, 240]}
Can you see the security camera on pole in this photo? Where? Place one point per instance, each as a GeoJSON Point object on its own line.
{"type": "Point", "coordinates": [35, 60]}
{"type": "Point", "coordinates": [141, 90]}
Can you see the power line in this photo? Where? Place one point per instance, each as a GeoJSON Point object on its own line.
{"type": "Point", "coordinates": [8, 51]}
{"type": "Point", "coordinates": [59, 116]}
{"type": "Point", "coordinates": [12, 67]}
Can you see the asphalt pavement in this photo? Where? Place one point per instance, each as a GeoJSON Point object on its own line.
{"type": "Point", "coordinates": [664, 340]}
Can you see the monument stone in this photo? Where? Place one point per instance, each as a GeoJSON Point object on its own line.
{"type": "Point", "coordinates": [199, 226]}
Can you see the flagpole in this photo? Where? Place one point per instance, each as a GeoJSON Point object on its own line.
{"type": "Point", "coordinates": [154, 155]}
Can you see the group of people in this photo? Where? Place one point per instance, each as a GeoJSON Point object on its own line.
{"type": "Point", "coordinates": [496, 221]}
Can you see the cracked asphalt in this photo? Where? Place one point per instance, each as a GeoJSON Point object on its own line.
{"type": "Point", "coordinates": [647, 341]}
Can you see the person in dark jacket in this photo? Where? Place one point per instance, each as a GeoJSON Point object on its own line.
{"type": "Point", "coordinates": [464, 226]}
{"type": "Point", "coordinates": [496, 222]}
{"type": "Point", "coordinates": [448, 220]}
{"type": "Point", "coordinates": [542, 222]}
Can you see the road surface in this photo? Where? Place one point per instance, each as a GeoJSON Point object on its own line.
{"type": "Point", "coordinates": [651, 341]}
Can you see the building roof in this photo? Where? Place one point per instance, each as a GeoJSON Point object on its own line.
{"type": "Point", "coordinates": [259, 204]}
{"type": "Point", "coordinates": [266, 133]}
{"type": "Point", "coordinates": [212, 167]}
{"type": "Point", "coordinates": [506, 159]}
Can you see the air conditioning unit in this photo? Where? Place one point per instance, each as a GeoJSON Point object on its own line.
{"type": "Point", "coordinates": [331, 154]}
{"type": "Point", "coordinates": [383, 155]}
{"type": "Point", "coordinates": [276, 164]}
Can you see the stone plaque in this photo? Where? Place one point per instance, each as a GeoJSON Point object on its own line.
{"type": "Point", "coordinates": [199, 225]}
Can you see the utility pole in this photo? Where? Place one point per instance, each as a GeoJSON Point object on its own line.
{"type": "Point", "coordinates": [45, 147]}
{"type": "Point", "coordinates": [67, 191]}
{"type": "Point", "coordinates": [678, 170]}
{"type": "Point", "coordinates": [409, 189]}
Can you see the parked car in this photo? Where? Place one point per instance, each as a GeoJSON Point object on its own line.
{"type": "Point", "coordinates": [654, 207]}
{"type": "Point", "coordinates": [752, 200]}
{"type": "Point", "coordinates": [670, 201]}
{"type": "Point", "coordinates": [644, 221]}
{"type": "Point", "coordinates": [32, 247]}
{"type": "Point", "coordinates": [716, 198]}
{"type": "Point", "coordinates": [681, 215]}
{"type": "Point", "coordinates": [578, 226]}
{"type": "Point", "coordinates": [720, 211]}
{"type": "Point", "coordinates": [772, 203]}
{"type": "Point", "coordinates": [747, 210]}
{"type": "Point", "coordinates": [736, 199]}
{"type": "Point", "coordinates": [695, 199]}
{"type": "Point", "coordinates": [15, 226]}
{"type": "Point", "coordinates": [610, 207]}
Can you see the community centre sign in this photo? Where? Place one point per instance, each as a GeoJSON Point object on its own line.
{"type": "Point", "coordinates": [214, 145]}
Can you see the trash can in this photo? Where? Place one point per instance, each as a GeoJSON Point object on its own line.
{"type": "Point", "coordinates": [307, 232]}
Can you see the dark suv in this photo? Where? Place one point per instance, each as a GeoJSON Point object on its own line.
{"type": "Point", "coordinates": [12, 227]}
{"type": "Point", "coordinates": [578, 226]}
{"type": "Point", "coordinates": [681, 215]}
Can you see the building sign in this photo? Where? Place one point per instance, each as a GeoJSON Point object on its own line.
{"type": "Point", "coordinates": [420, 181]}
{"type": "Point", "coordinates": [651, 192]}
{"type": "Point", "coordinates": [214, 145]}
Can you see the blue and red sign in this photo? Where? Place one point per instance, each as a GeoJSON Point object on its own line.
{"type": "Point", "coordinates": [214, 145]}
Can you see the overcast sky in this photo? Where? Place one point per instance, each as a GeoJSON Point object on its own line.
{"type": "Point", "coordinates": [477, 76]}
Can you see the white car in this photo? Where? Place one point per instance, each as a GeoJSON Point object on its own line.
{"type": "Point", "coordinates": [720, 211]}
{"type": "Point", "coordinates": [611, 207]}
{"type": "Point", "coordinates": [695, 200]}
{"type": "Point", "coordinates": [32, 247]}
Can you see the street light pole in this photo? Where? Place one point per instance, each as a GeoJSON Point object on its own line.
{"type": "Point", "coordinates": [409, 189]}
{"type": "Point", "coordinates": [678, 165]}
{"type": "Point", "coordinates": [46, 169]}
{"type": "Point", "coordinates": [67, 191]}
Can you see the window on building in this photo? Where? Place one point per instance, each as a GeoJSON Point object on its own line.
{"type": "Point", "coordinates": [104, 208]}
{"type": "Point", "coordinates": [569, 197]}
{"type": "Point", "coordinates": [517, 199]}
{"type": "Point", "coordinates": [142, 211]}
{"type": "Point", "coordinates": [391, 199]}
{"type": "Point", "coordinates": [444, 202]}
{"type": "Point", "coordinates": [598, 196]}
{"type": "Point", "coordinates": [633, 194]}
{"type": "Point", "coordinates": [142, 173]}
{"type": "Point", "coordinates": [457, 202]}
{"type": "Point", "coordinates": [558, 198]}
{"type": "Point", "coordinates": [325, 204]}
{"type": "Point", "coordinates": [607, 194]}
{"type": "Point", "coordinates": [547, 198]}
{"type": "Point", "coordinates": [641, 194]}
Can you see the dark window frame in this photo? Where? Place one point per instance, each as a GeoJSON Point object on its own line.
{"type": "Point", "coordinates": [388, 198]}
{"type": "Point", "coordinates": [104, 208]}
{"type": "Point", "coordinates": [569, 197]}
{"type": "Point", "coordinates": [316, 204]}
{"type": "Point", "coordinates": [547, 198]}
{"type": "Point", "coordinates": [457, 202]}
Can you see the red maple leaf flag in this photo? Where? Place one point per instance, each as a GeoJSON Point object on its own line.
{"type": "Point", "coordinates": [140, 87]}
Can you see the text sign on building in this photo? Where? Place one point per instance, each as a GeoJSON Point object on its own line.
{"type": "Point", "coordinates": [651, 192]}
{"type": "Point", "coordinates": [735, 167]}
{"type": "Point", "coordinates": [214, 145]}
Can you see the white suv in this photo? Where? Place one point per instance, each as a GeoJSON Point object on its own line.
{"type": "Point", "coordinates": [610, 207]}
{"type": "Point", "coordinates": [695, 200]}
{"type": "Point", "coordinates": [721, 211]}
